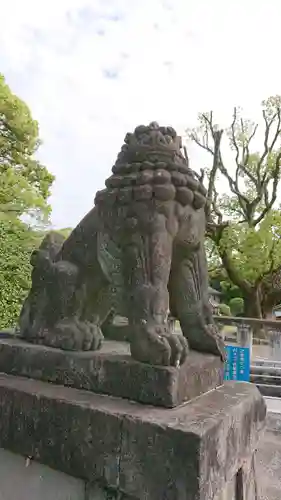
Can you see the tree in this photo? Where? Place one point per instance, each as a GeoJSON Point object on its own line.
{"type": "Point", "coordinates": [17, 242]}
{"type": "Point", "coordinates": [236, 306]}
{"type": "Point", "coordinates": [25, 183]}
{"type": "Point", "coordinates": [224, 309]}
{"type": "Point", "coordinates": [24, 189]}
{"type": "Point", "coordinates": [16, 245]}
{"type": "Point", "coordinates": [244, 224]}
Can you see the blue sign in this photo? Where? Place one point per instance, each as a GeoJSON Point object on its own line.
{"type": "Point", "coordinates": [237, 365]}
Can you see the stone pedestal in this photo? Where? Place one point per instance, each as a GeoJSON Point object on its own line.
{"type": "Point", "coordinates": [126, 450]}
{"type": "Point", "coordinates": [112, 371]}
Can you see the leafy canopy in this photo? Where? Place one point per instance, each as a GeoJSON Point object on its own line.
{"type": "Point", "coordinates": [24, 190]}
{"type": "Point", "coordinates": [236, 305]}
{"type": "Point", "coordinates": [255, 251]}
{"type": "Point", "coordinates": [25, 183]}
{"type": "Point", "coordinates": [16, 245]}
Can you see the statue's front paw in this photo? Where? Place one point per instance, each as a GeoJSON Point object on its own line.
{"type": "Point", "coordinates": [75, 335]}
{"type": "Point", "coordinates": [155, 345]}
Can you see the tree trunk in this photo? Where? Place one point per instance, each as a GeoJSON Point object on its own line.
{"type": "Point", "coordinates": [253, 309]}
{"type": "Point", "coordinates": [267, 309]}
{"type": "Point", "coordinates": [252, 304]}
{"type": "Point", "coordinates": [258, 299]}
{"type": "Point", "coordinates": [270, 299]}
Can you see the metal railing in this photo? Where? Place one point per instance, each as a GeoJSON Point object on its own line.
{"type": "Point", "coordinates": [265, 369]}
{"type": "Point", "coordinates": [267, 345]}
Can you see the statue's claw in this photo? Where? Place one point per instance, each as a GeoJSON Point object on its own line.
{"type": "Point", "coordinates": [74, 335]}
{"type": "Point", "coordinates": [155, 345]}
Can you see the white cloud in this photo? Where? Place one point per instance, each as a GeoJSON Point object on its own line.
{"type": "Point", "coordinates": [90, 70]}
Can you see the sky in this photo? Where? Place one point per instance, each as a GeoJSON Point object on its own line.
{"type": "Point", "coordinates": [91, 70]}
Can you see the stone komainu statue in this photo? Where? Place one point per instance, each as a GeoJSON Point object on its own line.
{"type": "Point", "coordinates": [140, 248]}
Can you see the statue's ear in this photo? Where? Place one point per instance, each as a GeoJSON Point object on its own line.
{"type": "Point", "coordinates": [34, 258]}
{"type": "Point", "coordinates": [40, 258]}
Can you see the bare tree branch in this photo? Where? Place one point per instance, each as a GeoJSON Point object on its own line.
{"type": "Point", "coordinates": [247, 149]}
{"type": "Point", "coordinates": [233, 185]}
{"type": "Point", "coordinates": [254, 196]}
{"type": "Point", "coordinates": [248, 207]}
{"type": "Point", "coordinates": [241, 166]}
{"type": "Point", "coordinates": [194, 137]}
{"type": "Point", "coordinates": [211, 193]}
{"type": "Point", "coordinates": [215, 207]}
{"type": "Point", "coordinates": [268, 149]}
{"type": "Point", "coordinates": [269, 204]}
{"type": "Point", "coordinates": [233, 138]}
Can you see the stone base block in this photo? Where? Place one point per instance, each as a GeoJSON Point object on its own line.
{"type": "Point", "coordinates": [112, 371]}
{"type": "Point", "coordinates": [25, 479]}
{"type": "Point", "coordinates": [124, 450]}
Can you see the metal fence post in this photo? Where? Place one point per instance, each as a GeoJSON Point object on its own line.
{"type": "Point", "coordinates": [245, 336]}
{"type": "Point", "coordinates": [274, 334]}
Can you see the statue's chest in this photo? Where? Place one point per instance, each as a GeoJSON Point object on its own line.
{"type": "Point", "coordinates": [190, 230]}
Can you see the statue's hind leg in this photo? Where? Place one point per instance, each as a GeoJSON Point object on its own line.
{"type": "Point", "coordinates": [73, 311]}
{"type": "Point", "coordinates": [32, 320]}
{"type": "Point", "coordinates": [189, 303]}
{"type": "Point", "coordinates": [67, 303]}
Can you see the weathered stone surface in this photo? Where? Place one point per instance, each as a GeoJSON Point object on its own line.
{"type": "Point", "coordinates": [77, 436]}
{"type": "Point", "coordinates": [228, 492]}
{"type": "Point", "coordinates": [25, 479]}
{"type": "Point", "coordinates": [96, 492]}
{"type": "Point", "coordinates": [268, 466]}
{"type": "Point", "coordinates": [139, 251]}
{"type": "Point", "coordinates": [112, 371]}
{"type": "Point", "coordinates": [187, 453]}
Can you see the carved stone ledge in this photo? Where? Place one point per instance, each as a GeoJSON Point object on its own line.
{"type": "Point", "coordinates": [112, 371]}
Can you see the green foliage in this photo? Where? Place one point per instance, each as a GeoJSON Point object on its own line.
{"type": "Point", "coordinates": [213, 257]}
{"type": "Point", "coordinates": [17, 241]}
{"type": "Point", "coordinates": [224, 309]}
{"type": "Point", "coordinates": [24, 190]}
{"type": "Point", "coordinates": [25, 183]}
{"type": "Point", "coordinates": [229, 290]}
{"type": "Point", "coordinates": [17, 196]}
{"type": "Point", "coordinates": [236, 306]}
{"type": "Point", "coordinates": [254, 250]}
{"type": "Point", "coordinates": [16, 245]}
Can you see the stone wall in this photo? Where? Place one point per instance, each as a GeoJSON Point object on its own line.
{"type": "Point", "coordinates": [25, 479]}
